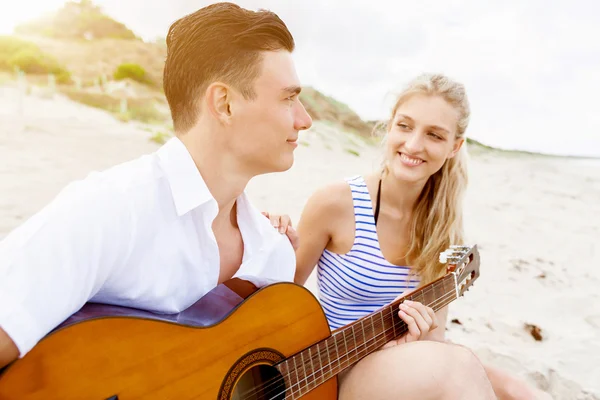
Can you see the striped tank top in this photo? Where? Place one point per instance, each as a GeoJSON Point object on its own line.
{"type": "Point", "coordinates": [361, 281]}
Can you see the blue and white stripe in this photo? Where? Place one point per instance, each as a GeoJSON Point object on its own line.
{"type": "Point", "coordinates": [361, 281]}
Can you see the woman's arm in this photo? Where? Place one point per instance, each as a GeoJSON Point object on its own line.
{"type": "Point", "coordinates": [314, 231]}
{"type": "Point", "coordinates": [318, 222]}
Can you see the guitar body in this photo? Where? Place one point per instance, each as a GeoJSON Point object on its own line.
{"type": "Point", "coordinates": [220, 348]}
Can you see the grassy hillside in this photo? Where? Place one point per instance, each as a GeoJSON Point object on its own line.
{"type": "Point", "coordinates": [102, 63]}
{"type": "Point", "coordinates": [100, 58]}
{"type": "Point", "coordinates": [325, 108]}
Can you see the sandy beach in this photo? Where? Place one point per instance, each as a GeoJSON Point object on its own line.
{"type": "Point", "coordinates": [535, 219]}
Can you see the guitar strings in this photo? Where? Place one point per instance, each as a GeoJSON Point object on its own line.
{"type": "Point", "coordinates": [387, 318]}
{"type": "Point", "coordinates": [291, 391]}
{"type": "Point", "coordinates": [401, 325]}
{"type": "Point", "coordinates": [400, 328]}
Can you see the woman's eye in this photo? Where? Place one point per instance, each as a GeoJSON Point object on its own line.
{"type": "Point", "coordinates": [403, 126]}
{"type": "Point", "coordinates": [435, 136]}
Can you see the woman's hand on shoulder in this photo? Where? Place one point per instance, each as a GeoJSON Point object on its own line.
{"type": "Point", "coordinates": [321, 207]}
{"type": "Point", "coordinates": [324, 207]}
{"type": "Point", "coordinates": [283, 224]}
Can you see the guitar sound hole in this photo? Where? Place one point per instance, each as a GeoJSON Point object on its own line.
{"type": "Point", "coordinates": [261, 382]}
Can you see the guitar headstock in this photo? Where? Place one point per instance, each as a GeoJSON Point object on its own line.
{"type": "Point", "coordinates": [464, 262]}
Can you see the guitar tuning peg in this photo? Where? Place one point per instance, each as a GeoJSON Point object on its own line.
{"type": "Point", "coordinates": [460, 247]}
{"type": "Point", "coordinates": [448, 255]}
{"type": "Point", "coordinates": [443, 258]}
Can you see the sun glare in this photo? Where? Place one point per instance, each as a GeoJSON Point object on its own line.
{"type": "Point", "coordinates": [25, 10]}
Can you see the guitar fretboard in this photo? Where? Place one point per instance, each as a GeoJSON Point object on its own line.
{"type": "Point", "coordinates": [320, 362]}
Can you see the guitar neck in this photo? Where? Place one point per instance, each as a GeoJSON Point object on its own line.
{"type": "Point", "coordinates": [320, 362]}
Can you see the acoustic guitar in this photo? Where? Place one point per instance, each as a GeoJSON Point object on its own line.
{"type": "Point", "coordinates": [274, 343]}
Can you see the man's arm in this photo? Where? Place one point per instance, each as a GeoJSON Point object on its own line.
{"type": "Point", "coordinates": [51, 265]}
{"type": "Point", "coordinates": [8, 349]}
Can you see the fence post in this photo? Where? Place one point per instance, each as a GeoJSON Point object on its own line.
{"type": "Point", "coordinates": [52, 84]}
{"type": "Point", "coordinates": [22, 89]}
{"type": "Point", "coordinates": [21, 93]}
{"type": "Point", "coordinates": [123, 106]}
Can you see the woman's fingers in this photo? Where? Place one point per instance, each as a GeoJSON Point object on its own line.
{"type": "Point", "coordinates": [275, 221]}
{"type": "Point", "coordinates": [420, 319]}
{"type": "Point", "coordinates": [284, 223]}
{"type": "Point", "coordinates": [293, 237]}
{"type": "Point", "coordinates": [423, 310]}
{"type": "Point", "coordinates": [413, 329]}
{"type": "Point", "coordinates": [433, 318]}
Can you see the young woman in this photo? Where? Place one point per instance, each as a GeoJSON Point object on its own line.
{"type": "Point", "coordinates": [377, 236]}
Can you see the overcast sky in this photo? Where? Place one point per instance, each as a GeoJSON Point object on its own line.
{"type": "Point", "coordinates": [531, 68]}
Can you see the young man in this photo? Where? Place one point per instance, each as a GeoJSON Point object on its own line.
{"type": "Point", "coordinates": [159, 232]}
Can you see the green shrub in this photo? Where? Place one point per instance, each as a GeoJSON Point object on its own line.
{"type": "Point", "coordinates": [33, 61]}
{"type": "Point", "coordinates": [26, 56]}
{"type": "Point", "coordinates": [9, 46]}
{"type": "Point", "coordinates": [131, 71]}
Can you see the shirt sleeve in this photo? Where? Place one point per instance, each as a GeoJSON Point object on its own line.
{"type": "Point", "coordinates": [51, 265]}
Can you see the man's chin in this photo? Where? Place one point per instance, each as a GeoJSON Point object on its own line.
{"type": "Point", "coordinates": [284, 166]}
{"type": "Point", "coordinates": [285, 162]}
{"type": "Point", "coordinates": [281, 165]}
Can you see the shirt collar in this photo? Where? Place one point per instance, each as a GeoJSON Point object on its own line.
{"type": "Point", "coordinates": [189, 191]}
{"type": "Point", "coordinates": [187, 186]}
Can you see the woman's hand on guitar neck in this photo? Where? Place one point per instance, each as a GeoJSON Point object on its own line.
{"type": "Point", "coordinates": [283, 223]}
{"type": "Point", "coordinates": [419, 319]}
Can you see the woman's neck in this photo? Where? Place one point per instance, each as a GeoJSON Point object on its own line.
{"type": "Point", "coordinates": [399, 197]}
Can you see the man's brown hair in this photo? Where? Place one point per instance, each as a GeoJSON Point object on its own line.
{"type": "Point", "coordinates": [220, 42]}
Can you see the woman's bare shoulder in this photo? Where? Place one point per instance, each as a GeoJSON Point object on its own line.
{"type": "Point", "coordinates": [330, 210]}
{"type": "Point", "coordinates": [332, 200]}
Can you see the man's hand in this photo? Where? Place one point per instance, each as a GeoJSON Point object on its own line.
{"type": "Point", "coordinates": [283, 224]}
{"type": "Point", "coordinates": [8, 350]}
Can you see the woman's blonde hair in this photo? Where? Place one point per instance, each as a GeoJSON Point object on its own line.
{"type": "Point", "coordinates": [437, 217]}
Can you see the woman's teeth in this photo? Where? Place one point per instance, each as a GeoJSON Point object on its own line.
{"type": "Point", "coordinates": [410, 160]}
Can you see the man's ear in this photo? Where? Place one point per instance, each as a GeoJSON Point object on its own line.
{"type": "Point", "coordinates": [457, 145]}
{"type": "Point", "coordinates": [218, 101]}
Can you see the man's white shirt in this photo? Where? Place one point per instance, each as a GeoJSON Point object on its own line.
{"type": "Point", "coordinates": [138, 235]}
